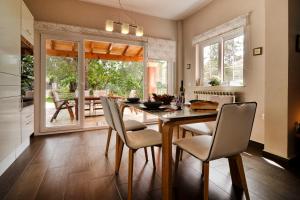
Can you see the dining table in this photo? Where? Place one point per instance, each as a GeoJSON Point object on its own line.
{"type": "Point", "coordinates": [168, 118]}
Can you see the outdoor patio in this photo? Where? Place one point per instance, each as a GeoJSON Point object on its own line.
{"type": "Point", "coordinates": [93, 118]}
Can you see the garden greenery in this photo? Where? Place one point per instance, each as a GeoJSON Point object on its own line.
{"type": "Point", "coordinates": [117, 76]}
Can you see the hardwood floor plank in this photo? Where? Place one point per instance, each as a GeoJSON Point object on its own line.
{"type": "Point", "coordinates": [13, 173]}
{"type": "Point", "coordinates": [103, 188]}
{"type": "Point", "coordinates": [53, 185]}
{"type": "Point", "coordinates": [28, 184]}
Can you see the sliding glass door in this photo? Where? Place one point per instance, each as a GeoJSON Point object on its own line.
{"type": "Point", "coordinates": [60, 80]}
{"type": "Point", "coordinates": [76, 70]}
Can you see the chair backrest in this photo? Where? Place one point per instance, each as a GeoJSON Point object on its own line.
{"type": "Point", "coordinates": [117, 119]}
{"type": "Point", "coordinates": [107, 112]}
{"type": "Point", "coordinates": [233, 129]}
{"type": "Point", "coordinates": [55, 98]}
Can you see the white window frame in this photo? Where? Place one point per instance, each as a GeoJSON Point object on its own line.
{"type": "Point", "coordinates": [220, 39]}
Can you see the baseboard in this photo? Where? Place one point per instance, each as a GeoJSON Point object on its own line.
{"type": "Point", "coordinates": [257, 145]}
{"type": "Point", "coordinates": [8, 161]}
{"type": "Point", "coordinates": [285, 162]}
{"type": "Point", "coordinates": [22, 147]}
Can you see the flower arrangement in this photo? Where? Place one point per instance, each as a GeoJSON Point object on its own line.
{"type": "Point", "coordinates": [164, 98]}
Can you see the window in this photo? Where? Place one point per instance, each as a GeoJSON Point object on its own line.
{"type": "Point", "coordinates": [210, 61]}
{"type": "Point", "coordinates": [222, 58]}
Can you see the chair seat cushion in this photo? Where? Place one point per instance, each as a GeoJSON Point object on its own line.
{"type": "Point", "coordinates": [143, 138]}
{"type": "Point", "coordinates": [133, 125]}
{"type": "Point", "coordinates": [197, 146]}
{"type": "Point", "coordinates": [204, 128]}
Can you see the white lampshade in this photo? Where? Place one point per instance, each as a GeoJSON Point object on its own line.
{"type": "Point", "coordinates": [109, 25]}
{"type": "Point", "coordinates": [125, 28]}
{"type": "Point", "coordinates": [139, 31]}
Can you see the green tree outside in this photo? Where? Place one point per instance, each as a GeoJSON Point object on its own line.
{"type": "Point", "coordinates": [117, 76]}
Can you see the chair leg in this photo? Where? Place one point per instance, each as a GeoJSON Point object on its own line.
{"type": "Point", "coordinates": [153, 157]}
{"type": "Point", "coordinates": [178, 153]}
{"type": "Point", "coordinates": [205, 171]}
{"type": "Point", "coordinates": [108, 140]}
{"type": "Point", "coordinates": [146, 154]}
{"type": "Point", "coordinates": [119, 152]}
{"type": "Point", "coordinates": [237, 173]}
{"type": "Point", "coordinates": [130, 173]}
{"type": "Point", "coordinates": [55, 115]}
{"type": "Point", "coordinates": [70, 112]}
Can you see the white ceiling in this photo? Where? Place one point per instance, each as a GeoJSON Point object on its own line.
{"type": "Point", "coordinates": [168, 9]}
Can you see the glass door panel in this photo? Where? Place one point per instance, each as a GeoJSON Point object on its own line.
{"type": "Point", "coordinates": [61, 95]}
{"type": "Point", "coordinates": [111, 69]}
{"type": "Point", "coordinates": [157, 77]}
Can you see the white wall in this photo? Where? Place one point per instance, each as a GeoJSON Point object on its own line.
{"type": "Point", "coordinates": [276, 99]}
{"type": "Point", "coordinates": [217, 13]}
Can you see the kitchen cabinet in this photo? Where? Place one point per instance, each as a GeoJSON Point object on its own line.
{"type": "Point", "coordinates": [27, 24]}
{"type": "Point", "coordinates": [10, 123]}
{"type": "Point", "coordinates": [27, 124]}
{"type": "Point", "coordinates": [16, 123]}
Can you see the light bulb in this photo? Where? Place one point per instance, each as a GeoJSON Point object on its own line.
{"type": "Point", "coordinates": [139, 31]}
{"type": "Point", "coordinates": [109, 25]}
{"type": "Point", "coordinates": [125, 28]}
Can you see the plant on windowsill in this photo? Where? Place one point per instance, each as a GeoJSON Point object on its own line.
{"type": "Point", "coordinates": [214, 81]}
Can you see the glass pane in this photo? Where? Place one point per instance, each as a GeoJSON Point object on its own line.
{"type": "Point", "coordinates": [210, 62]}
{"type": "Point", "coordinates": [111, 69]}
{"type": "Point", "coordinates": [234, 61]}
{"type": "Point", "coordinates": [61, 83]}
{"type": "Point", "coordinates": [157, 77]}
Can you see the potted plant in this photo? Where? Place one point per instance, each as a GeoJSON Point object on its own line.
{"type": "Point", "coordinates": [214, 81]}
{"type": "Point", "coordinates": [27, 75]}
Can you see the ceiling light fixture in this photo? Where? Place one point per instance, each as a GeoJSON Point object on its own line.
{"type": "Point", "coordinates": [125, 27]}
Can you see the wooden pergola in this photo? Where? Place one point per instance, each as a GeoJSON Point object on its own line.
{"type": "Point", "coordinates": [96, 50]}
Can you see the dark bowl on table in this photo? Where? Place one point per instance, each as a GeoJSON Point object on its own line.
{"type": "Point", "coordinates": [133, 99]}
{"type": "Point", "coordinates": [152, 104]}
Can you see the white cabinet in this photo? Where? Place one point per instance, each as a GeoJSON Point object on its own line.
{"type": "Point", "coordinates": [27, 122]}
{"type": "Point", "coordinates": [10, 25]}
{"type": "Point", "coordinates": [10, 123]}
{"type": "Point", "coordinates": [27, 24]}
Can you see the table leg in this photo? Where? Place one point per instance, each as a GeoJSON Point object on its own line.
{"type": "Point", "coordinates": [167, 135]}
{"type": "Point", "coordinates": [76, 109]}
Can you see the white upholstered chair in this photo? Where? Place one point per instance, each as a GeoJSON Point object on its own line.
{"type": "Point", "coordinates": [230, 138]}
{"type": "Point", "coordinates": [206, 128]}
{"type": "Point", "coordinates": [130, 125]}
{"type": "Point", "coordinates": [134, 140]}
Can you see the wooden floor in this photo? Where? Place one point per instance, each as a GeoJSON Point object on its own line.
{"type": "Point", "coordinates": [73, 166]}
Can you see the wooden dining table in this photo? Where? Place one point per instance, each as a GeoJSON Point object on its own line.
{"type": "Point", "coordinates": [168, 119]}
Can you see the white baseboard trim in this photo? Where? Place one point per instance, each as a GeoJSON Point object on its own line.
{"type": "Point", "coordinates": [22, 147]}
{"type": "Point", "coordinates": [6, 162]}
